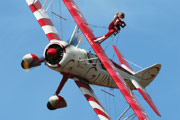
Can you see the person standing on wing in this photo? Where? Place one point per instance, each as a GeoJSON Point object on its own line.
{"type": "Point", "coordinates": [114, 26]}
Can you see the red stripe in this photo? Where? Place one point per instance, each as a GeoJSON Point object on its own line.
{"type": "Point", "coordinates": [99, 112]}
{"type": "Point", "coordinates": [121, 68]}
{"type": "Point", "coordinates": [45, 21]}
{"type": "Point", "coordinates": [149, 100]}
{"type": "Point", "coordinates": [83, 85]}
{"type": "Point", "coordinates": [34, 7]}
{"type": "Point", "coordinates": [52, 36]}
{"type": "Point", "coordinates": [90, 98]}
{"type": "Point", "coordinates": [121, 58]}
{"type": "Point", "coordinates": [34, 57]}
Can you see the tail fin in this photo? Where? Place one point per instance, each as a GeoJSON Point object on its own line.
{"type": "Point", "coordinates": [123, 61]}
{"type": "Point", "coordinates": [146, 76]}
{"type": "Point", "coordinates": [145, 95]}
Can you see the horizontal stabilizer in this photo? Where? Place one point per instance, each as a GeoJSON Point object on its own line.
{"type": "Point", "coordinates": [122, 60]}
{"type": "Point", "coordinates": [145, 95]}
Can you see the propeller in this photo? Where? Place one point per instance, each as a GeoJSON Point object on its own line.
{"type": "Point", "coordinates": [31, 60]}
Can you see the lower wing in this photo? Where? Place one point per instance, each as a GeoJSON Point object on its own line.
{"type": "Point", "coordinates": [93, 101]}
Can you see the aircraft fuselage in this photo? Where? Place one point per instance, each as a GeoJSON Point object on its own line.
{"type": "Point", "coordinates": [77, 62]}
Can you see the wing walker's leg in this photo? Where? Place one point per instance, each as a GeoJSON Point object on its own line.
{"type": "Point", "coordinates": [106, 36]}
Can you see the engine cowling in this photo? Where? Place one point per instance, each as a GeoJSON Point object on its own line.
{"type": "Point", "coordinates": [29, 61]}
{"type": "Point", "coordinates": [53, 54]}
{"type": "Point", "coordinates": [56, 102]}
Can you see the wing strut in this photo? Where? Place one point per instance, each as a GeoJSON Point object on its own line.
{"type": "Point", "coordinates": [132, 115]}
{"type": "Point", "coordinates": [92, 99]}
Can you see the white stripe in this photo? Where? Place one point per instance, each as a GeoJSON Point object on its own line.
{"type": "Point", "coordinates": [49, 29]}
{"type": "Point", "coordinates": [135, 83]}
{"type": "Point", "coordinates": [102, 117]}
{"type": "Point", "coordinates": [86, 91]}
{"type": "Point", "coordinates": [29, 2]}
{"type": "Point", "coordinates": [127, 68]}
{"type": "Point", "coordinates": [95, 105]}
{"type": "Point", "coordinates": [92, 103]}
{"type": "Point", "coordinates": [54, 40]}
{"type": "Point", "coordinates": [41, 13]}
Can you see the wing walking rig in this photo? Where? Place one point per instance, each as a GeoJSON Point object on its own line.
{"type": "Point", "coordinates": [87, 68]}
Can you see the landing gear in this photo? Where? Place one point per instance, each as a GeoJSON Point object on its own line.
{"type": "Point", "coordinates": [57, 101]}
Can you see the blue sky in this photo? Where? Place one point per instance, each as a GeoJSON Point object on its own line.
{"type": "Point", "coordinates": [151, 36]}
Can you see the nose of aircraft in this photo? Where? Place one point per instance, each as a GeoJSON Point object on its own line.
{"type": "Point", "coordinates": [52, 53]}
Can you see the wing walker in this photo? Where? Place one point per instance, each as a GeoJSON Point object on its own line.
{"type": "Point", "coordinates": [114, 27]}
{"type": "Point", "coordinates": [89, 69]}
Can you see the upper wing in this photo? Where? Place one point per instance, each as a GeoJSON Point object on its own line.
{"type": "Point", "coordinates": [43, 19]}
{"type": "Point", "coordinates": [78, 17]}
{"type": "Point", "coordinates": [93, 101]}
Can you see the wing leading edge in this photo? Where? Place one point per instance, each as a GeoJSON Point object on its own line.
{"type": "Point", "coordinates": [80, 20]}
{"type": "Point", "coordinates": [43, 19]}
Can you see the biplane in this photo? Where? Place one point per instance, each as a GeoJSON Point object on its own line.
{"type": "Point", "coordinates": [86, 68]}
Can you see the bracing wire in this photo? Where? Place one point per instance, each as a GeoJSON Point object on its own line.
{"type": "Point", "coordinates": [61, 25]}
{"type": "Point", "coordinates": [109, 104]}
{"type": "Point", "coordinates": [93, 26]}
{"type": "Point", "coordinates": [114, 105]}
{"type": "Point", "coordinates": [51, 14]}
{"type": "Point", "coordinates": [63, 18]}
{"type": "Point", "coordinates": [133, 63]}
{"type": "Point", "coordinates": [117, 39]}
{"type": "Point", "coordinates": [110, 42]}
{"type": "Point", "coordinates": [49, 5]}
{"type": "Point", "coordinates": [43, 4]}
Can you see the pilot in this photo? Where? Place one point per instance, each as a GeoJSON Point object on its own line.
{"type": "Point", "coordinates": [114, 26]}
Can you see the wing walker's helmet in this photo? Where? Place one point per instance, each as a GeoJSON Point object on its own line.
{"type": "Point", "coordinates": [121, 15]}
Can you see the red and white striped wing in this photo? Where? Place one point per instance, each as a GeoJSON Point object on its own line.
{"type": "Point", "coordinates": [92, 99]}
{"type": "Point", "coordinates": [80, 20]}
{"type": "Point", "coordinates": [43, 19]}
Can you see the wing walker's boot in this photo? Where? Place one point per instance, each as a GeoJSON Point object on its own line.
{"type": "Point", "coordinates": [99, 39]}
